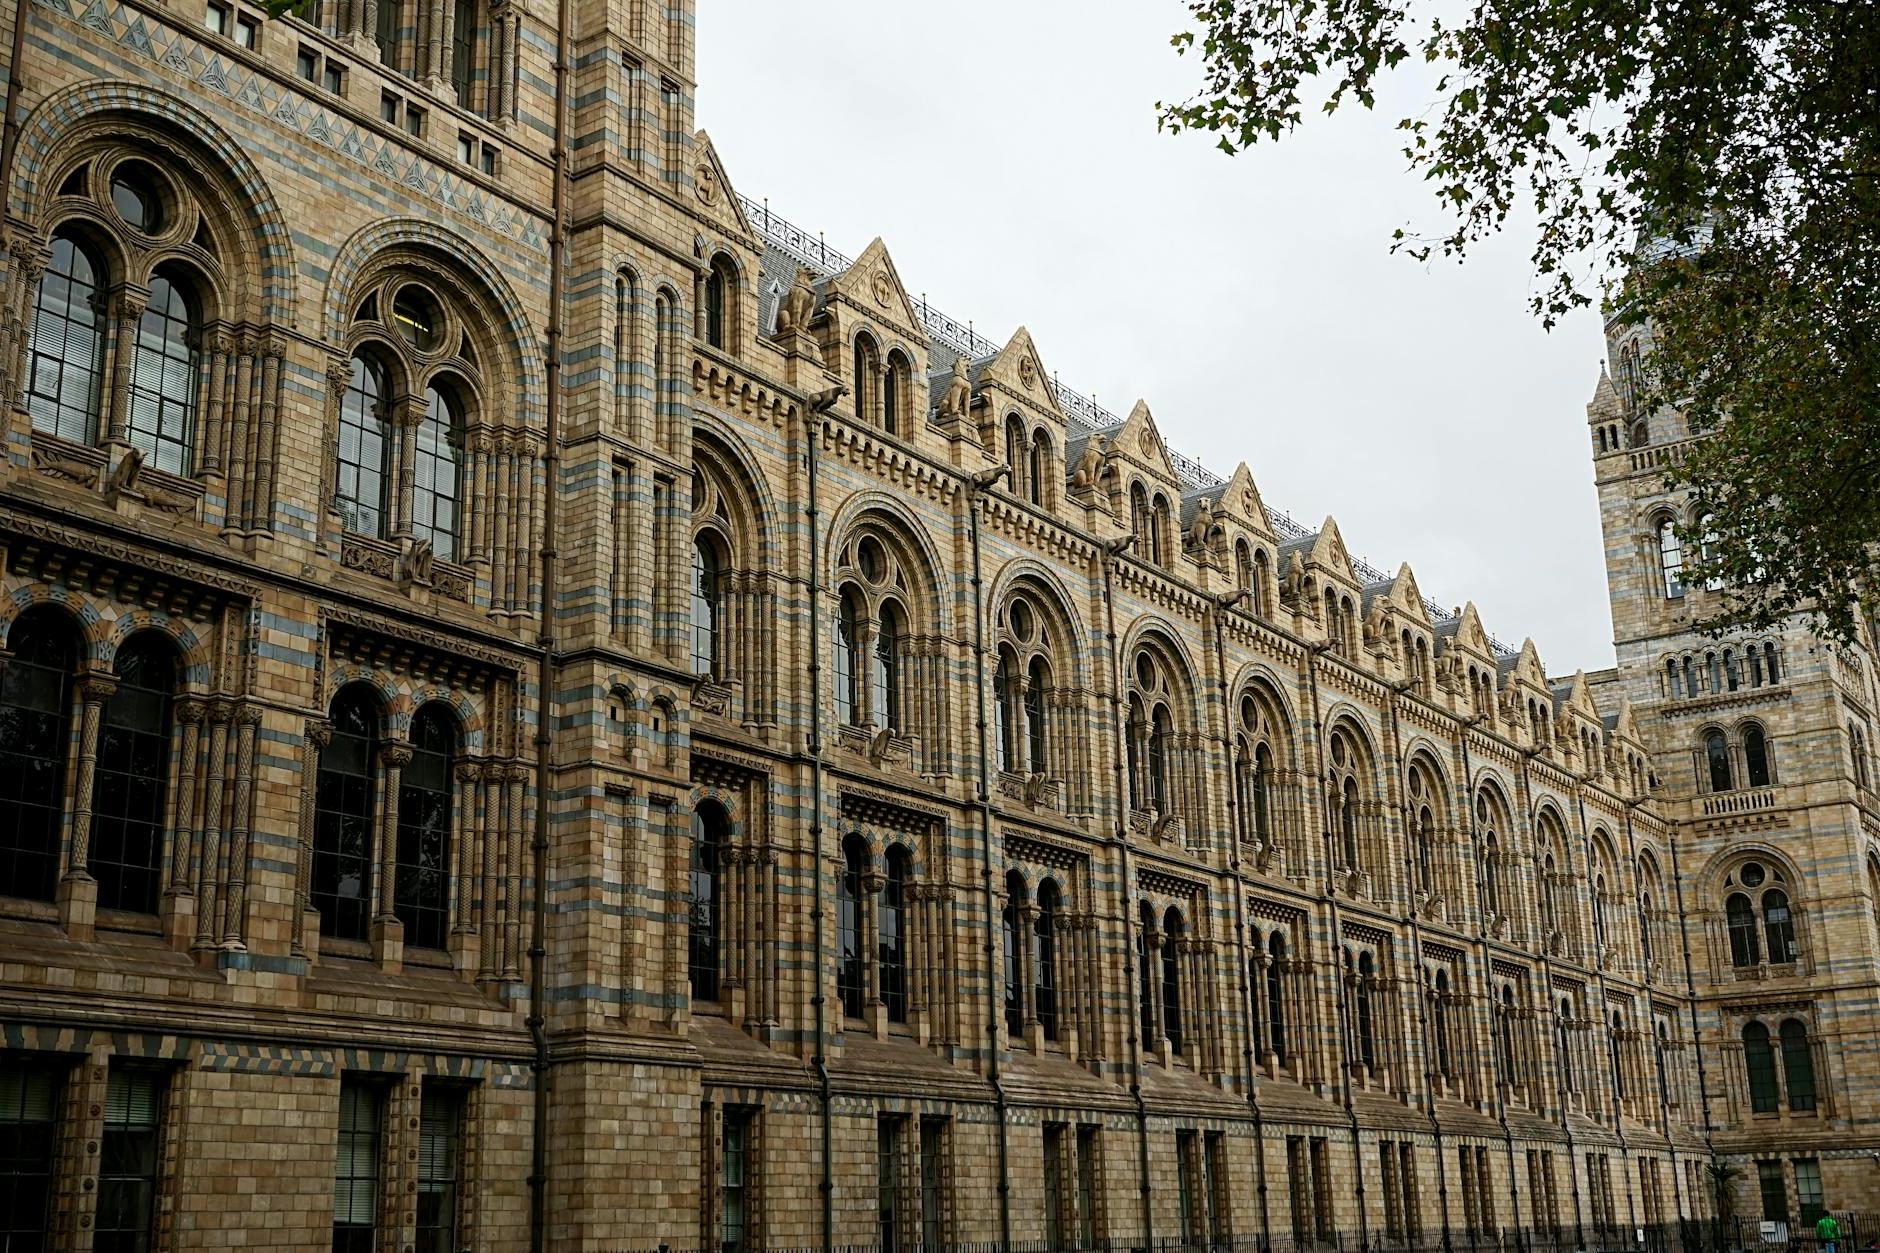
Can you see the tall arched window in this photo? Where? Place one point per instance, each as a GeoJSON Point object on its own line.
{"type": "Point", "coordinates": [1145, 983]}
{"type": "Point", "coordinates": [1504, 1038]}
{"type": "Point", "coordinates": [1798, 1066]}
{"type": "Point", "coordinates": [424, 808]}
{"type": "Point", "coordinates": [851, 622]}
{"type": "Point", "coordinates": [463, 50]}
{"type": "Point", "coordinates": [1671, 558]}
{"type": "Point", "coordinates": [1004, 730]}
{"type": "Point", "coordinates": [1367, 1011]}
{"type": "Point", "coordinates": [437, 484]}
{"type": "Point", "coordinates": [1135, 736]}
{"type": "Point", "coordinates": [1039, 471]}
{"type": "Point", "coordinates": [1439, 1016]}
{"type": "Point", "coordinates": [1612, 1056]}
{"type": "Point", "coordinates": [1263, 793]}
{"type": "Point", "coordinates": [706, 573]}
{"type": "Point", "coordinates": [1037, 683]}
{"type": "Point", "coordinates": [133, 770]}
{"type": "Point", "coordinates": [35, 735]}
{"type": "Point", "coordinates": [1646, 910]}
{"type": "Point", "coordinates": [864, 380]}
{"type": "Point", "coordinates": [1755, 756]}
{"type": "Point", "coordinates": [885, 675]}
{"type": "Point", "coordinates": [719, 286]}
{"type": "Point", "coordinates": [1015, 453]}
{"type": "Point", "coordinates": [1044, 959]}
{"type": "Point", "coordinates": [1599, 911]}
{"type": "Point", "coordinates": [66, 362]}
{"type": "Point", "coordinates": [1015, 898]}
{"type": "Point", "coordinates": [1717, 762]}
{"type": "Point", "coordinates": [360, 490]}
{"type": "Point", "coordinates": [164, 375]}
{"type": "Point", "coordinates": [850, 979]}
{"type": "Point", "coordinates": [1563, 1050]}
{"type": "Point", "coordinates": [891, 942]}
{"type": "Point", "coordinates": [1759, 1060]}
{"type": "Point", "coordinates": [344, 812]}
{"type": "Point", "coordinates": [703, 907]}
{"type": "Point", "coordinates": [1276, 996]}
{"type": "Point", "coordinates": [1348, 821]}
{"type": "Point", "coordinates": [1661, 1044]}
{"type": "Point", "coordinates": [894, 388]}
{"type": "Point", "coordinates": [1172, 980]}
{"type": "Point", "coordinates": [1161, 734]}
{"type": "Point", "coordinates": [1550, 906]}
{"type": "Point", "coordinates": [1740, 917]}
{"type": "Point", "coordinates": [1158, 530]}
{"type": "Point", "coordinates": [1778, 927]}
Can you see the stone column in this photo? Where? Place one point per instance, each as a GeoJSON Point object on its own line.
{"type": "Point", "coordinates": [388, 933]}
{"type": "Point", "coordinates": [209, 868]}
{"type": "Point", "coordinates": [212, 459]}
{"type": "Point", "coordinates": [78, 891]}
{"type": "Point", "coordinates": [234, 928]}
{"type": "Point", "coordinates": [128, 306]}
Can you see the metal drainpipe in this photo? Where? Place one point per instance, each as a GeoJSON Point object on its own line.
{"type": "Point", "coordinates": [1618, 1124]}
{"type": "Point", "coordinates": [1221, 605]}
{"type": "Point", "coordinates": [1416, 939]}
{"type": "Point", "coordinates": [976, 485]}
{"type": "Point", "coordinates": [1506, 1082]}
{"type": "Point", "coordinates": [1338, 935]}
{"type": "Point", "coordinates": [1526, 789]}
{"type": "Point", "coordinates": [1111, 551]}
{"type": "Point", "coordinates": [1697, 1038]}
{"type": "Point", "coordinates": [819, 404]}
{"type": "Point", "coordinates": [545, 675]}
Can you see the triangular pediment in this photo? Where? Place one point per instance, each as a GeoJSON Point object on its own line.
{"type": "Point", "coordinates": [1407, 596]}
{"type": "Point", "coordinates": [873, 286]}
{"type": "Point", "coordinates": [1140, 441]}
{"type": "Point", "coordinates": [716, 200]}
{"type": "Point", "coordinates": [1625, 727]}
{"type": "Point", "coordinates": [1240, 500]}
{"type": "Point", "coordinates": [1580, 697]}
{"type": "Point", "coordinates": [1329, 552]}
{"type": "Point", "coordinates": [1020, 372]}
{"type": "Point", "coordinates": [1605, 402]}
{"type": "Point", "coordinates": [1470, 633]}
{"type": "Point", "coordinates": [1527, 665]}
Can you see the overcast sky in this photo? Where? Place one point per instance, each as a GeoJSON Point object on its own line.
{"type": "Point", "coordinates": [1007, 154]}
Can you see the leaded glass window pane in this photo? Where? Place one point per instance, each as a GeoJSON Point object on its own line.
{"type": "Point", "coordinates": [164, 378]}
{"type": "Point", "coordinates": [133, 769]}
{"type": "Point", "coordinates": [424, 830]}
{"type": "Point", "coordinates": [66, 362]}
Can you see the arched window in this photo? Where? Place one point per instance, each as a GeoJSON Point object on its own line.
{"type": "Point", "coordinates": [345, 809]}
{"type": "Point", "coordinates": [1145, 984]}
{"type": "Point", "coordinates": [1439, 1015]}
{"type": "Point", "coordinates": [1612, 1056]}
{"type": "Point", "coordinates": [1135, 735]}
{"type": "Point", "coordinates": [1778, 927]}
{"type": "Point", "coordinates": [1139, 519]}
{"type": "Point", "coordinates": [1645, 912]}
{"type": "Point", "coordinates": [1348, 821]}
{"type": "Point", "coordinates": [1004, 729]}
{"type": "Point", "coordinates": [360, 490]}
{"type": "Point", "coordinates": [894, 390]}
{"type": "Point", "coordinates": [1717, 762]}
{"type": "Point", "coordinates": [463, 50]}
{"type": "Point", "coordinates": [706, 573]}
{"type": "Point", "coordinates": [1759, 1061]}
{"type": "Point", "coordinates": [1599, 911]}
{"type": "Point", "coordinates": [1740, 917]}
{"type": "Point", "coordinates": [1161, 733]}
{"type": "Point", "coordinates": [1366, 1010]}
{"type": "Point", "coordinates": [1276, 996]}
{"type": "Point", "coordinates": [1039, 472]}
{"type": "Point", "coordinates": [1158, 530]}
{"type": "Point", "coordinates": [1261, 605]}
{"type": "Point", "coordinates": [851, 709]}
{"type": "Point", "coordinates": [164, 375]}
{"type": "Point", "coordinates": [1262, 793]}
{"type": "Point", "coordinates": [1661, 1044]}
{"type": "Point", "coordinates": [704, 907]}
{"type": "Point", "coordinates": [1037, 684]}
{"type": "Point", "coordinates": [1504, 1038]}
{"type": "Point", "coordinates": [850, 978]}
{"type": "Point", "coordinates": [1172, 980]}
{"type": "Point", "coordinates": [885, 685]}
{"type": "Point", "coordinates": [1798, 1066]}
{"type": "Point", "coordinates": [720, 285]}
{"type": "Point", "coordinates": [67, 357]}
{"type": "Point", "coordinates": [133, 768]}
{"type": "Point", "coordinates": [1755, 756]}
{"type": "Point", "coordinates": [424, 805]}
{"type": "Point", "coordinates": [437, 484]}
{"type": "Point", "coordinates": [891, 938]}
{"type": "Point", "coordinates": [35, 735]}
{"type": "Point", "coordinates": [1044, 959]}
{"type": "Point", "coordinates": [864, 380]}
{"type": "Point", "coordinates": [1671, 558]}
{"type": "Point", "coordinates": [1016, 455]}
{"type": "Point", "coordinates": [1562, 1049]}
{"type": "Point", "coordinates": [1015, 898]}
{"type": "Point", "coordinates": [1491, 877]}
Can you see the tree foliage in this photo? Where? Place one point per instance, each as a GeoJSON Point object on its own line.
{"type": "Point", "coordinates": [1708, 166]}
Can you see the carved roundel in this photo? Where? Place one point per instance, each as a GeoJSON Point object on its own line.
{"type": "Point", "coordinates": [705, 184]}
{"type": "Point", "coordinates": [1027, 373]}
{"type": "Point", "coordinates": [1148, 442]}
{"type": "Point", "coordinates": [883, 289]}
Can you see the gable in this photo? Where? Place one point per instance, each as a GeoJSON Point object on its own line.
{"type": "Point", "coordinates": [717, 202]}
{"type": "Point", "coordinates": [1020, 372]}
{"type": "Point", "coordinates": [873, 286]}
{"type": "Point", "coordinates": [1140, 441]}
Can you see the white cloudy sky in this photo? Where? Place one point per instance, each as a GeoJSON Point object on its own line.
{"type": "Point", "coordinates": [1008, 155]}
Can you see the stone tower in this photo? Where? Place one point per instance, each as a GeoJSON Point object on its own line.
{"type": "Point", "coordinates": [1760, 749]}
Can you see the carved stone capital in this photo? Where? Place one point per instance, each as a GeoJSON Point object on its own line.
{"type": "Point", "coordinates": [97, 689]}
{"type": "Point", "coordinates": [190, 709]}
{"type": "Point", "coordinates": [395, 753]}
{"type": "Point", "coordinates": [320, 732]}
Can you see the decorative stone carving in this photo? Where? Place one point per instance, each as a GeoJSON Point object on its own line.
{"type": "Point", "coordinates": [59, 462]}
{"type": "Point", "coordinates": [959, 394]}
{"type": "Point", "coordinates": [793, 313]}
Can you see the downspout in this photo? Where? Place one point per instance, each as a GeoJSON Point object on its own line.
{"type": "Point", "coordinates": [1416, 939]}
{"type": "Point", "coordinates": [1697, 1038]}
{"type": "Point", "coordinates": [1504, 1083]}
{"type": "Point", "coordinates": [976, 485]}
{"type": "Point", "coordinates": [545, 675]}
{"type": "Point", "coordinates": [819, 404]}
{"type": "Point", "coordinates": [1338, 942]}
{"type": "Point", "coordinates": [1111, 551]}
{"type": "Point", "coordinates": [1247, 991]}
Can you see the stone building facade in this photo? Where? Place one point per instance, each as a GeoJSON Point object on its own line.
{"type": "Point", "coordinates": [639, 726]}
